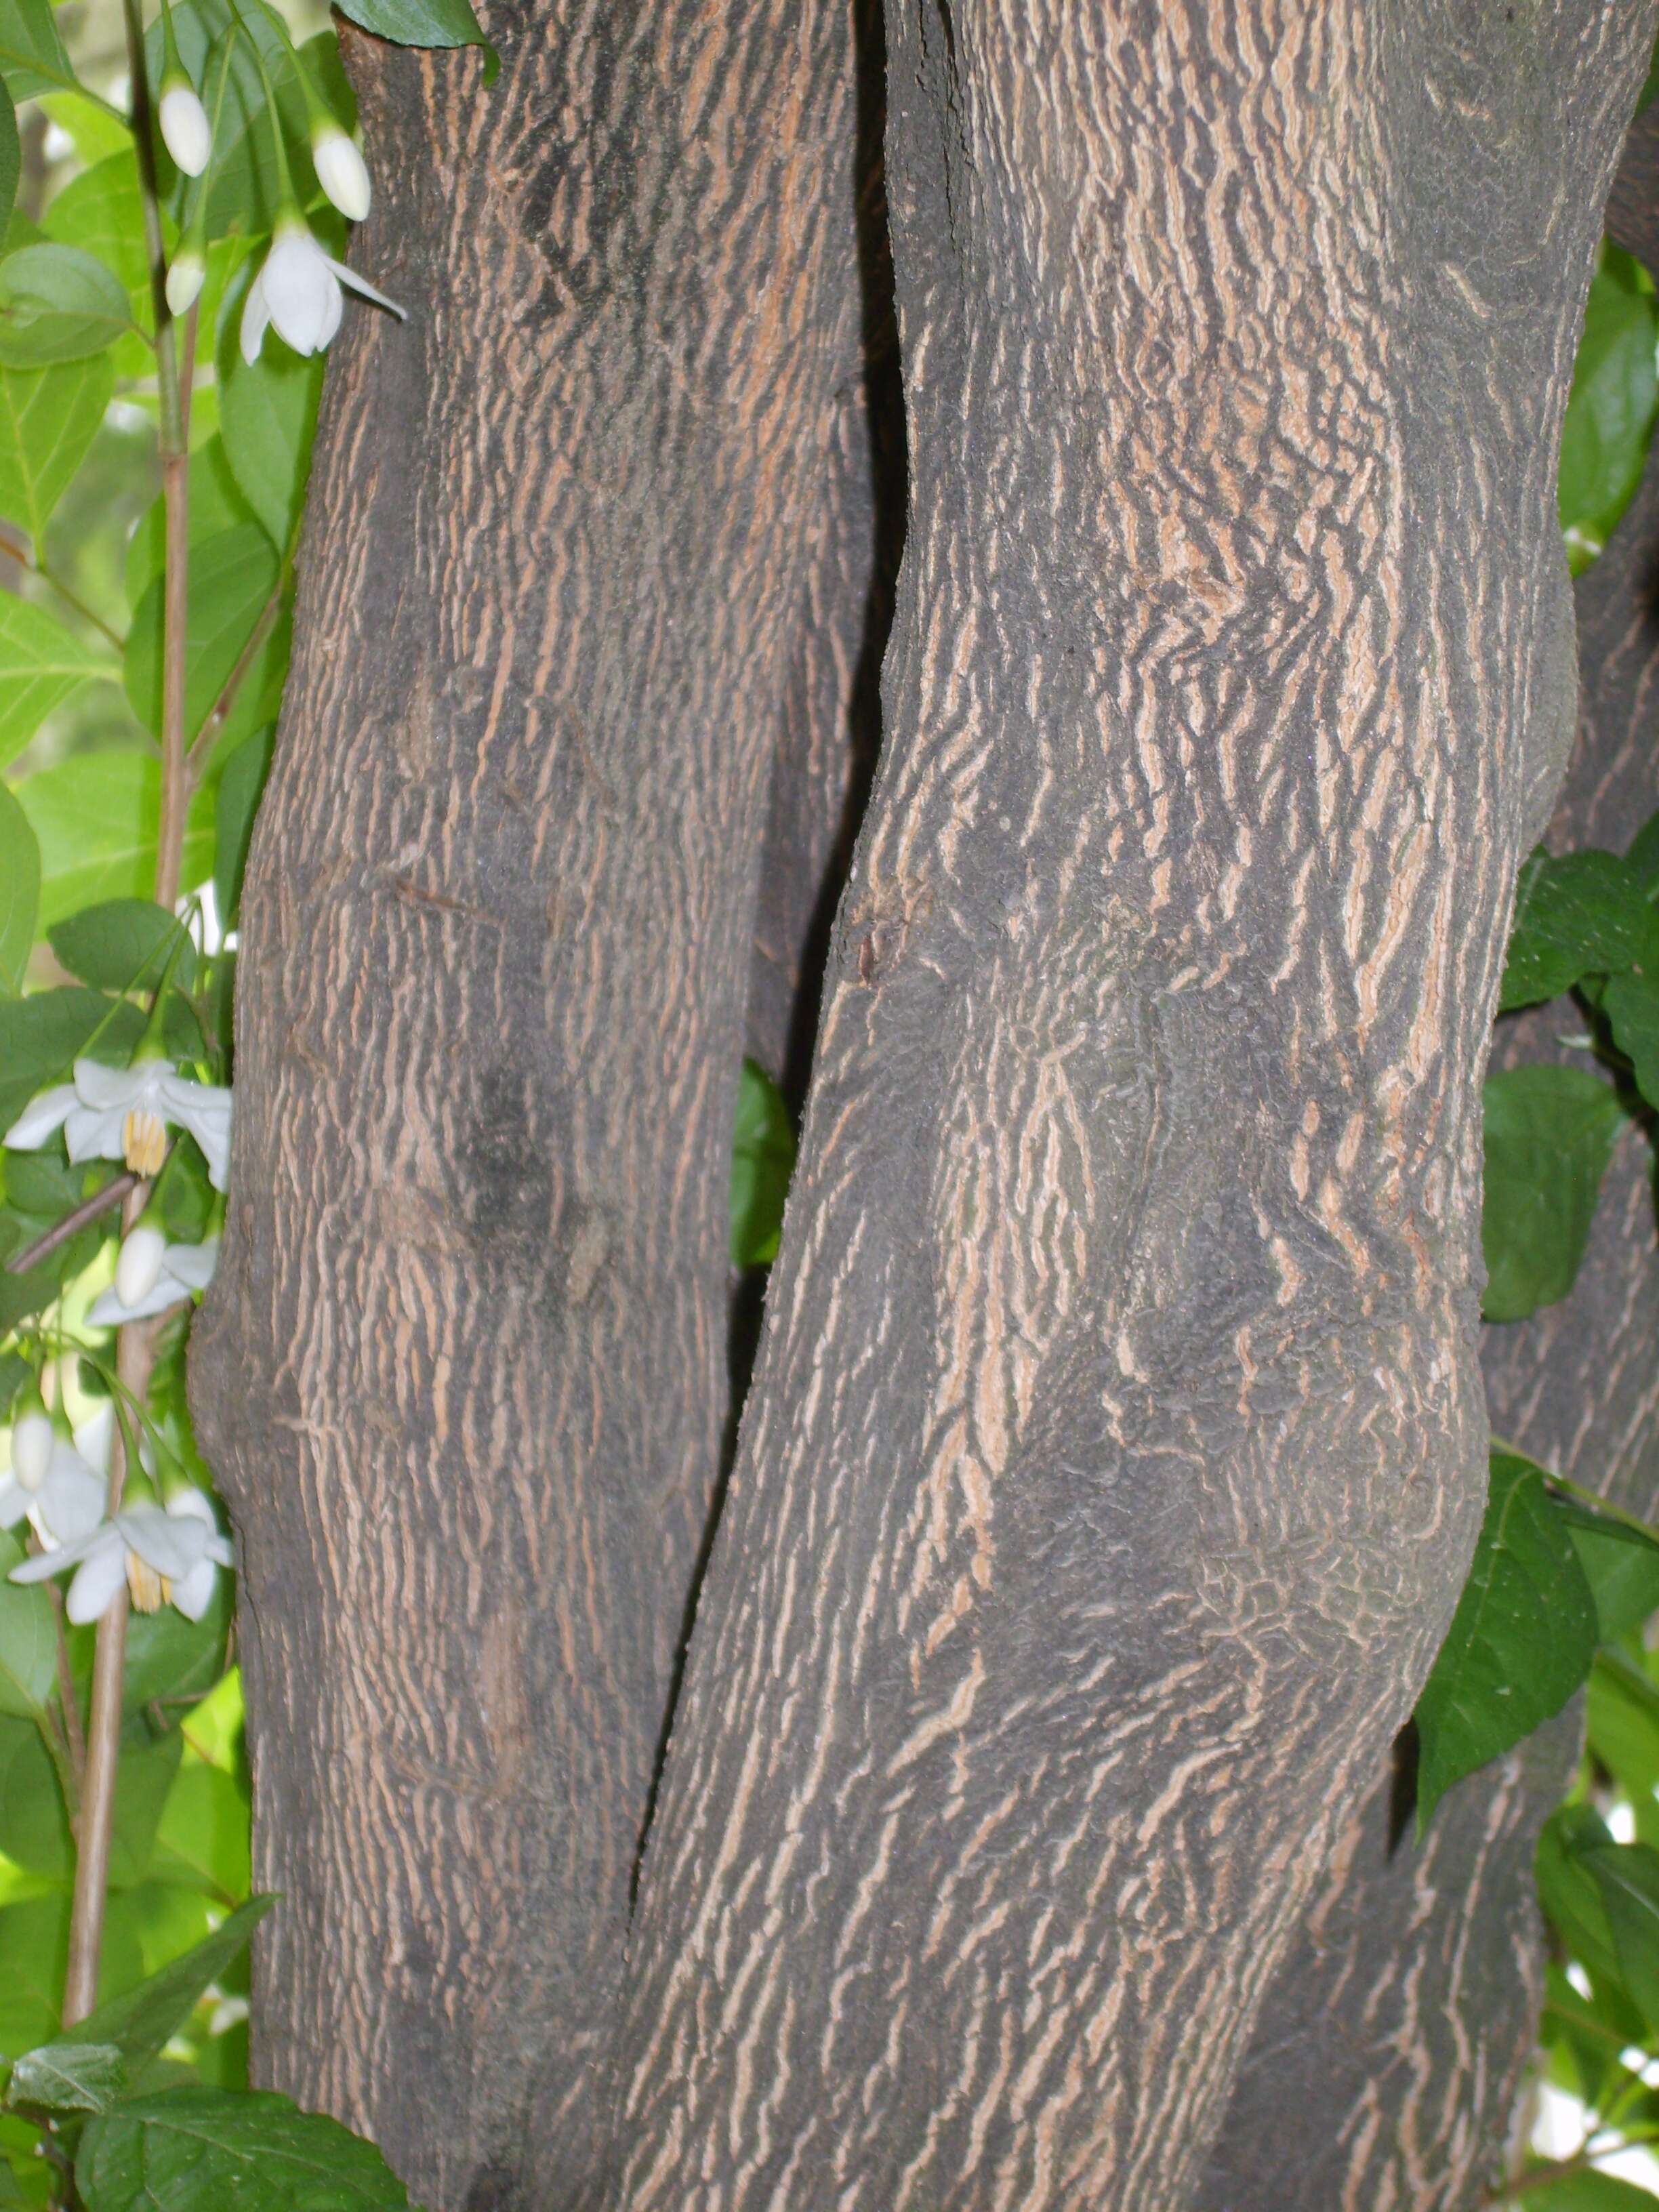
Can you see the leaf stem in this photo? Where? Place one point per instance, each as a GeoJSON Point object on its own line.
{"type": "Point", "coordinates": [88, 1210]}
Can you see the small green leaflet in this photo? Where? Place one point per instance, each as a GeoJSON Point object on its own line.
{"type": "Point", "coordinates": [1627, 1877]}
{"type": "Point", "coordinates": [57, 303]}
{"type": "Point", "coordinates": [425, 23]}
{"type": "Point", "coordinates": [268, 412]}
{"type": "Point", "coordinates": [41, 665]}
{"type": "Point", "coordinates": [42, 1035]}
{"type": "Point", "coordinates": [1521, 1641]}
{"type": "Point", "coordinates": [1621, 1565]}
{"type": "Point", "coordinates": [20, 892]}
{"type": "Point", "coordinates": [101, 213]}
{"type": "Point", "coordinates": [198, 2150]}
{"type": "Point", "coordinates": [28, 1639]}
{"type": "Point", "coordinates": [240, 788]}
{"type": "Point", "coordinates": [1631, 1003]}
{"type": "Point", "coordinates": [1586, 914]}
{"type": "Point", "coordinates": [1611, 407]}
{"type": "Point", "coordinates": [137, 2025]}
{"type": "Point", "coordinates": [32, 56]}
{"type": "Point", "coordinates": [1549, 1133]}
{"type": "Point", "coordinates": [95, 815]}
{"type": "Point", "coordinates": [124, 945]}
{"type": "Point", "coordinates": [86, 2077]}
{"type": "Point", "coordinates": [232, 577]}
{"type": "Point", "coordinates": [48, 419]}
{"type": "Point", "coordinates": [1589, 2191]}
{"type": "Point", "coordinates": [762, 1161]}
{"type": "Point", "coordinates": [11, 156]}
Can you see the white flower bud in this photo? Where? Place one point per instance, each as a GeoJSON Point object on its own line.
{"type": "Point", "coordinates": [340, 171]}
{"type": "Point", "coordinates": [139, 1266]}
{"type": "Point", "coordinates": [187, 273]}
{"type": "Point", "coordinates": [185, 131]}
{"type": "Point", "coordinates": [31, 1449]}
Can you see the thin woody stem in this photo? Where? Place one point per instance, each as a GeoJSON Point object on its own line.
{"type": "Point", "coordinates": [90, 1210]}
{"type": "Point", "coordinates": [135, 1345]}
{"type": "Point", "coordinates": [207, 735]}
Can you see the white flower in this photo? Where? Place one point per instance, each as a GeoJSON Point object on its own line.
{"type": "Point", "coordinates": [32, 1440]}
{"type": "Point", "coordinates": [185, 131]}
{"type": "Point", "coordinates": [298, 289]}
{"type": "Point", "coordinates": [151, 1275]}
{"type": "Point", "coordinates": [186, 274]}
{"type": "Point", "coordinates": [340, 170]}
{"type": "Point", "coordinates": [163, 1553]}
{"type": "Point", "coordinates": [121, 1114]}
{"type": "Point", "coordinates": [66, 1502]}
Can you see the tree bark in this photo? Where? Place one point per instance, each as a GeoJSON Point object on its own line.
{"type": "Point", "coordinates": [1116, 1446]}
{"type": "Point", "coordinates": [1385, 2068]}
{"type": "Point", "coordinates": [463, 1374]}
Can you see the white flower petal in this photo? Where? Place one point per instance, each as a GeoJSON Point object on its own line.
{"type": "Point", "coordinates": [31, 1440]}
{"type": "Point", "coordinates": [69, 1504]}
{"type": "Point", "coordinates": [170, 1543]}
{"type": "Point", "coordinates": [203, 1109]}
{"type": "Point", "coordinates": [96, 1134]}
{"type": "Point", "coordinates": [96, 1438]}
{"type": "Point", "coordinates": [14, 1501]}
{"type": "Point", "coordinates": [194, 1593]}
{"type": "Point", "coordinates": [41, 1118]}
{"type": "Point", "coordinates": [362, 285]}
{"type": "Point", "coordinates": [299, 290]}
{"type": "Point", "coordinates": [107, 1310]}
{"type": "Point", "coordinates": [128, 1089]}
{"type": "Point", "coordinates": [256, 319]}
{"type": "Point", "coordinates": [101, 1574]}
{"type": "Point", "coordinates": [138, 1264]}
{"type": "Point", "coordinates": [185, 131]}
{"type": "Point", "coordinates": [340, 171]}
{"type": "Point", "coordinates": [193, 1265]}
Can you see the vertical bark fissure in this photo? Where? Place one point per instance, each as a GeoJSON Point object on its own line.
{"type": "Point", "coordinates": [1117, 1445]}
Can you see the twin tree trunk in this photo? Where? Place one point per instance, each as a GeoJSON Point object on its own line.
{"type": "Point", "coordinates": [1116, 1439]}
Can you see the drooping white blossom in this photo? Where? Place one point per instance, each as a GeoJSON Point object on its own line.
{"type": "Point", "coordinates": [151, 1275]}
{"type": "Point", "coordinates": [65, 1498]}
{"type": "Point", "coordinates": [164, 1554]}
{"type": "Point", "coordinates": [340, 169]}
{"type": "Point", "coordinates": [123, 1113]}
{"type": "Point", "coordinates": [297, 293]}
{"type": "Point", "coordinates": [185, 131]}
{"type": "Point", "coordinates": [186, 274]}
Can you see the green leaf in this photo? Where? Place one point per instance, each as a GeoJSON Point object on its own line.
{"type": "Point", "coordinates": [762, 1161]}
{"type": "Point", "coordinates": [85, 2078]}
{"type": "Point", "coordinates": [1620, 1566]}
{"type": "Point", "coordinates": [1622, 1727]}
{"type": "Point", "coordinates": [137, 2025]}
{"type": "Point", "coordinates": [34, 1829]}
{"type": "Point", "coordinates": [240, 788]}
{"type": "Point", "coordinates": [33, 1936]}
{"type": "Point", "coordinates": [93, 130]}
{"type": "Point", "coordinates": [41, 665]}
{"type": "Point", "coordinates": [204, 1824]}
{"type": "Point", "coordinates": [48, 419]}
{"type": "Point", "coordinates": [1549, 1135]}
{"type": "Point", "coordinates": [216, 504]}
{"type": "Point", "coordinates": [43, 1035]}
{"type": "Point", "coordinates": [29, 1638]}
{"type": "Point", "coordinates": [57, 303]}
{"type": "Point", "coordinates": [170, 1657]}
{"type": "Point", "coordinates": [231, 578]}
{"type": "Point", "coordinates": [96, 816]}
{"type": "Point", "coordinates": [1627, 1877]}
{"type": "Point", "coordinates": [1589, 2191]}
{"type": "Point", "coordinates": [1643, 855]}
{"type": "Point", "coordinates": [20, 892]}
{"type": "Point", "coordinates": [424, 23]}
{"type": "Point", "coordinates": [1586, 914]}
{"type": "Point", "coordinates": [101, 212]}
{"type": "Point", "coordinates": [1631, 1003]}
{"type": "Point", "coordinates": [1521, 1641]}
{"type": "Point", "coordinates": [267, 414]}
{"type": "Point", "coordinates": [32, 56]}
{"type": "Point", "coordinates": [1569, 1893]}
{"type": "Point", "coordinates": [124, 944]}
{"type": "Point", "coordinates": [11, 156]}
{"type": "Point", "coordinates": [198, 2150]}
{"type": "Point", "coordinates": [1611, 405]}
{"type": "Point", "coordinates": [142, 1781]}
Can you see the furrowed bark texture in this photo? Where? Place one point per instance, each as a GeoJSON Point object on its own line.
{"type": "Point", "coordinates": [463, 1375]}
{"type": "Point", "coordinates": [1386, 2060]}
{"type": "Point", "coordinates": [1117, 1445]}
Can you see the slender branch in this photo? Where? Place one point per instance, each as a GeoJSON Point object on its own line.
{"type": "Point", "coordinates": [69, 596]}
{"type": "Point", "coordinates": [207, 737]}
{"type": "Point", "coordinates": [90, 1210]}
{"type": "Point", "coordinates": [135, 1345]}
{"type": "Point", "coordinates": [73, 1733]}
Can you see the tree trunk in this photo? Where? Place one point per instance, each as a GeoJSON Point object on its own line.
{"type": "Point", "coordinates": [1386, 2060]}
{"type": "Point", "coordinates": [1116, 1446]}
{"type": "Point", "coordinates": [463, 1375]}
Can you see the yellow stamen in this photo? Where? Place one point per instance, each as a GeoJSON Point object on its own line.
{"type": "Point", "coordinates": [149, 1591]}
{"type": "Point", "coordinates": [144, 1140]}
